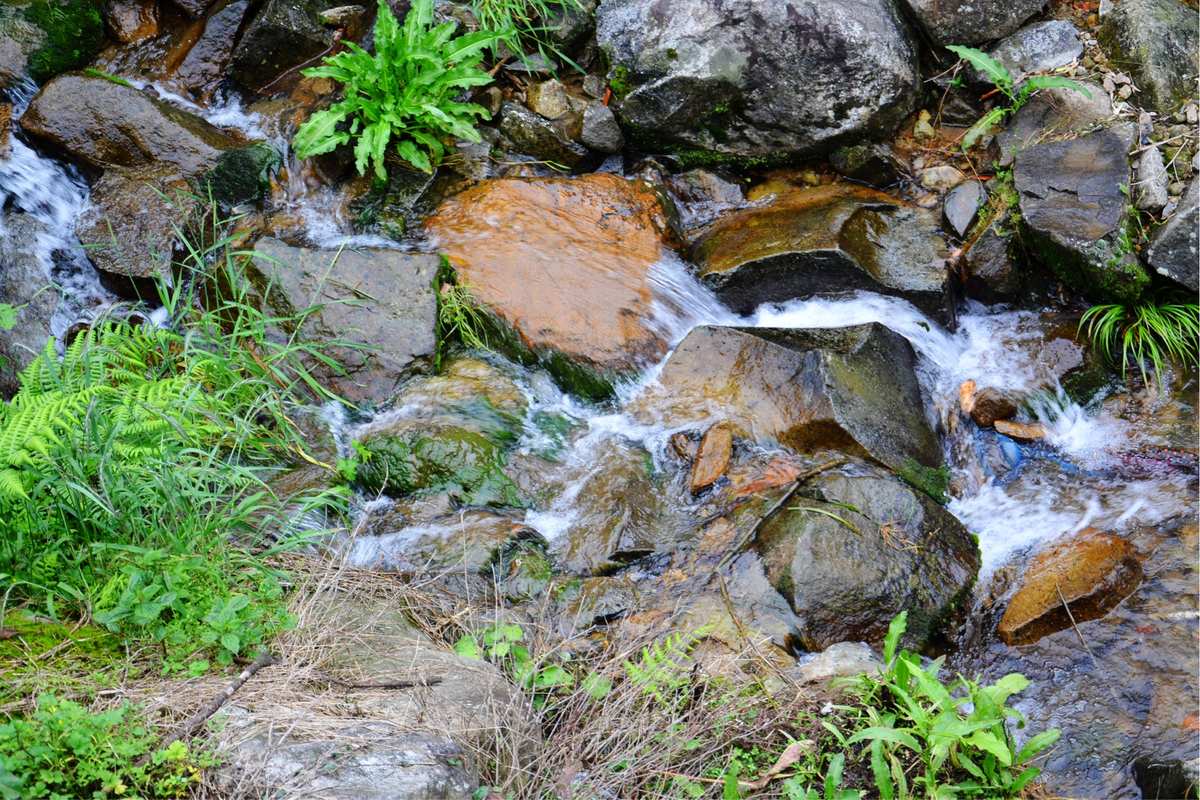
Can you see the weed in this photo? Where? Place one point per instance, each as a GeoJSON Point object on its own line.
{"type": "Point", "coordinates": [407, 91]}
{"type": "Point", "coordinates": [1004, 82]}
{"type": "Point", "coordinates": [461, 317]}
{"type": "Point", "coordinates": [1149, 334]}
{"type": "Point", "coordinates": [522, 24]}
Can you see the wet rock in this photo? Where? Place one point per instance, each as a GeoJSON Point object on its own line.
{"type": "Point", "coordinates": [875, 164]}
{"type": "Point", "coordinates": [1052, 114]}
{"type": "Point", "coordinates": [5, 128]}
{"type": "Point", "coordinates": [980, 21]}
{"type": "Point", "coordinates": [850, 389]}
{"type": "Point", "coordinates": [1021, 431]}
{"type": "Point", "coordinates": [1075, 212]}
{"type": "Point", "coordinates": [105, 124]}
{"type": "Point", "coordinates": [1093, 571]}
{"type": "Point", "coordinates": [42, 39]}
{"type": "Point", "coordinates": [397, 325]}
{"type": "Point", "coordinates": [193, 8]}
{"type": "Point", "coordinates": [1174, 250]}
{"type": "Point", "coordinates": [1166, 777]}
{"type": "Point", "coordinates": [941, 178]}
{"type": "Point", "coordinates": [131, 20]}
{"type": "Point", "coordinates": [533, 135]}
{"type": "Point", "coordinates": [1157, 42]}
{"type": "Point", "coordinates": [242, 175]}
{"type": "Point", "coordinates": [564, 264]}
{"type": "Point", "coordinates": [839, 660]}
{"type": "Point", "coordinates": [134, 219]}
{"type": "Point", "coordinates": [992, 275]}
{"type": "Point", "coordinates": [297, 745]}
{"type": "Point", "coordinates": [595, 601]}
{"type": "Point", "coordinates": [756, 80]}
{"type": "Point", "coordinates": [548, 98]}
{"type": "Point", "coordinates": [828, 239]}
{"type": "Point", "coordinates": [601, 131]}
{"type": "Point", "coordinates": [619, 514]}
{"type": "Point", "coordinates": [1040, 47]}
{"type": "Point", "coordinates": [860, 546]}
{"type": "Point", "coordinates": [703, 186]}
{"type": "Point", "coordinates": [206, 61]}
{"type": "Point", "coordinates": [712, 459]}
{"type": "Point", "coordinates": [25, 285]}
{"type": "Point", "coordinates": [962, 204]}
{"type": "Point", "coordinates": [470, 541]}
{"type": "Point", "coordinates": [989, 406]}
{"type": "Point", "coordinates": [281, 36]}
{"type": "Point", "coordinates": [1150, 189]}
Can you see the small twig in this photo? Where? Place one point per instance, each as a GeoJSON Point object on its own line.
{"type": "Point", "coordinates": [1075, 627]}
{"type": "Point", "coordinates": [193, 723]}
{"type": "Point", "coordinates": [403, 684]}
{"type": "Point", "coordinates": [801, 478]}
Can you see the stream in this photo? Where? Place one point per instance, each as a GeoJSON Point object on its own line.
{"type": "Point", "coordinates": [1110, 691]}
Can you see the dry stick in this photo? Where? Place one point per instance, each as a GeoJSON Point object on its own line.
{"type": "Point", "coordinates": [404, 684]}
{"type": "Point", "coordinates": [193, 723]}
{"type": "Point", "coordinates": [1075, 627]}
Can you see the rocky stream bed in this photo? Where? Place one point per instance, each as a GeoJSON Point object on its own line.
{"type": "Point", "coordinates": [739, 261]}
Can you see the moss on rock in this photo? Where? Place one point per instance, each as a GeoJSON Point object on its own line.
{"type": "Point", "coordinates": [74, 33]}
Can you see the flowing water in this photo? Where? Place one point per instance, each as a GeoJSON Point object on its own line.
{"type": "Point", "coordinates": [1015, 497]}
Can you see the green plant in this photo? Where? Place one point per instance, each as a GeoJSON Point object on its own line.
{"type": "Point", "coordinates": [958, 733]}
{"type": "Point", "coordinates": [523, 24]}
{"type": "Point", "coordinates": [794, 789]}
{"type": "Point", "coordinates": [1148, 333]}
{"type": "Point", "coordinates": [503, 644]}
{"type": "Point", "coordinates": [460, 316]}
{"type": "Point", "coordinates": [61, 751]}
{"type": "Point", "coordinates": [661, 670]}
{"type": "Point", "coordinates": [1004, 82]}
{"type": "Point", "coordinates": [405, 92]}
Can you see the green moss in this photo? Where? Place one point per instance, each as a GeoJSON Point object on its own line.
{"type": "Point", "coordinates": [74, 34]}
{"type": "Point", "coordinates": [40, 655]}
{"type": "Point", "coordinates": [618, 81]}
{"type": "Point", "coordinates": [1105, 269]}
{"type": "Point", "coordinates": [240, 176]}
{"type": "Point", "coordinates": [933, 481]}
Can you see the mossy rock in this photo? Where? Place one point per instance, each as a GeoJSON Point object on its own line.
{"type": "Point", "coordinates": [240, 176]}
{"type": "Point", "coordinates": [74, 33]}
{"type": "Point", "coordinates": [38, 655]}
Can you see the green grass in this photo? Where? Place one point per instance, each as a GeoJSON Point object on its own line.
{"type": "Point", "coordinates": [1148, 334]}
{"type": "Point", "coordinates": [522, 27]}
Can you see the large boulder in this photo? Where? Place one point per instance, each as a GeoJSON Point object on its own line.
{"type": "Point", "coordinates": [972, 23]}
{"type": "Point", "coordinates": [106, 124]}
{"type": "Point", "coordinates": [25, 285]}
{"type": "Point", "coordinates": [757, 79]}
{"type": "Point", "coordinates": [1158, 43]}
{"type": "Point", "coordinates": [378, 308]}
{"type": "Point", "coordinates": [830, 239]}
{"type": "Point", "coordinates": [1040, 47]}
{"type": "Point", "coordinates": [134, 218]}
{"type": "Point", "coordinates": [1075, 210]}
{"type": "Point", "coordinates": [858, 546]}
{"type": "Point", "coordinates": [1054, 114]}
{"type": "Point", "coordinates": [282, 35]}
{"type": "Point", "coordinates": [851, 389]}
{"type": "Point", "coordinates": [42, 39]}
{"type": "Point", "coordinates": [206, 60]}
{"type": "Point", "coordinates": [1174, 250]}
{"type": "Point", "coordinates": [564, 265]}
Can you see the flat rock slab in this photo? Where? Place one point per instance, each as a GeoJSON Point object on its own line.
{"type": "Point", "coordinates": [565, 264]}
{"type": "Point", "coordinates": [25, 285]}
{"type": "Point", "coordinates": [826, 240]}
{"type": "Point", "coordinates": [1174, 250]}
{"type": "Point", "coordinates": [1090, 572]}
{"type": "Point", "coordinates": [851, 389]}
{"type": "Point", "coordinates": [383, 301]}
{"type": "Point", "coordinates": [972, 22]}
{"type": "Point", "coordinates": [1040, 47]}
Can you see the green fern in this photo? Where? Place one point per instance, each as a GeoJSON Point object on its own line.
{"type": "Point", "coordinates": [661, 670]}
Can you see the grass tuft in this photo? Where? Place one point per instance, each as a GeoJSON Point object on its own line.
{"type": "Point", "coordinates": [1148, 334]}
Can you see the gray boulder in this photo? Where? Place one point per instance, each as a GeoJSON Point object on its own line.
{"type": "Point", "coordinates": [1150, 189]}
{"type": "Point", "coordinates": [1174, 250]}
{"type": "Point", "coordinates": [601, 131]}
{"type": "Point", "coordinates": [991, 273]}
{"type": "Point", "coordinates": [1054, 114]}
{"type": "Point", "coordinates": [974, 22]}
{"type": "Point", "coordinates": [757, 79]}
{"type": "Point", "coordinates": [1040, 47]}
{"type": "Point", "coordinates": [1075, 210]}
{"type": "Point", "coordinates": [381, 303]}
{"type": "Point", "coordinates": [533, 135]}
{"type": "Point", "coordinates": [860, 546]}
{"type": "Point", "coordinates": [205, 63]}
{"type": "Point", "coordinates": [282, 35]}
{"type": "Point", "coordinates": [24, 284]}
{"type": "Point", "coordinates": [847, 389]}
{"type": "Point", "coordinates": [1158, 43]}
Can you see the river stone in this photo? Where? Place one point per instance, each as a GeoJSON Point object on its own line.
{"type": "Point", "coordinates": [1074, 208]}
{"type": "Point", "coordinates": [541, 138]}
{"type": "Point", "coordinates": [857, 547]}
{"type": "Point", "coordinates": [1092, 570]}
{"type": "Point", "coordinates": [839, 660]}
{"type": "Point", "coordinates": [1174, 250]}
{"type": "Point", "coordinates": [564, 264]}
{"type": "Point", "coordinates": [962, 204]}
{"type": "Point", "coordinates": [193, 8]}
{"type": "Point", "coordinates": [871, 163]}
{"type": "Point", "coordinates": [470, 541]}
{"type": "Point", "coordinates": [712, 457]}
{"type": "Point", "coordinates": [824, 240]}
{"type": "Point", "coordinates": [972, 23]}
{"type": "Point", "coordinates": [991, 405]}
{"type": "Point", "coordinates": [204, 65]}
{"type": "Point", "coordinates": [282, 35]}
{"type": "Point", "coordinates": [408, 743]}
{"type": "Point", "coordinates": [131, 225]}
{"type": "Point", "coordinates": [1040, 47]}
{"type": "Point", "coordinates": [1054, 114]}
{"type": "Point", "coordinates": [105, 124]}
{"type": "Point", "coordinates": [382, 299]}
{"type": "Point", "coordinates": [850, 389]}
{"type": "Point", "coordinates": [131, 20]}
{"type": "Point", "coordinates": [241, 175]}
{"type": "Point", "coordinates": [1157, 42]}
{"type": "Point", "coordinates": [25, 285]}
{"type": "Point", "coordinates": [757, 79]}
{"type": "Point", "coordinates": [601, 131]}
{"type": "Point", "coordinates": [548, 98]}
{"type": "Point", "coordinates": [991, 273]}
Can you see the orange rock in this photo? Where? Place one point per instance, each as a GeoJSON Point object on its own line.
{"type": "Point", "coordinates": [564, 261]}
{"type": "Point", "coordinates": [713, 457]}
{"type": "Point", "coordinates": [1093, 571]}
{"type": "Point", "coordinates": [966, 396]}
{"type": "Point", "coordinates": [989, 405]}
{"type": "Point", "coordinates": [1022, 431]}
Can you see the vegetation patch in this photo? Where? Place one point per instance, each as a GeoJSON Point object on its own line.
{"type": "Point", "coordinates": [74, 34]}
{"type": "Point", "coordinates": [1148, 334]}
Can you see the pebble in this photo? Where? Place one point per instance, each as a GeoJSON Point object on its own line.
{"type": "Point", "coordinates": [941, 178]}
{"type": "Point", "coordinates": [923, 129]}
{"type": "Point", "coordinates": [1124, 92]}
{"type": "Point", "coordinates": [1021, 431]}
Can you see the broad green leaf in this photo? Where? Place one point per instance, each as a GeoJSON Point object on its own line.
{"type": "Point", "coordinates": [992, 69]}
{"type": "Point", "coordinates": [893, 735]}
{"type": "Point", "coordinates": [1024, 778]}
{"type": "Point", "coordinates": [1038, 82]}
{"type": "Point", "coordinates": [8, 316]}
{"type": "Point", "coordinates": [467, 647]}
{"type": "Point", "coordinates": [892, 640]}
{"type": "Point", "coordinates": [319, 133]}
{"type": "Point", "coordinates": [879, 768]}
{"type": "Point", "coordinates": [989, 743]}
{"type": "Point", "coordinates": [982, 126]}
{"type": "Point", "coordinates": [833, 776]}
{"type": "Point", "coordinates": [1037, 744]}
